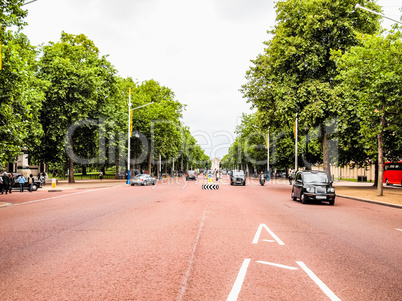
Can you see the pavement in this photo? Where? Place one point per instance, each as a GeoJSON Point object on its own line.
{"type": "Point", "coordinates": [359, 191]}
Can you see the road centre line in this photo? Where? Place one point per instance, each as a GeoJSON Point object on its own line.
{"type": "Point", "coordinates": [234, 293]}
{"type": "Point", "coordinates": [257, 235]}
{"type": "Point", "coordinates": [277, 265]}
{"type": "Point", "coordinates": [320, 284]}
{"type": "Point", "coordinates": [60, 196]}
{"type": "Point", "coordinates": [190, 263]}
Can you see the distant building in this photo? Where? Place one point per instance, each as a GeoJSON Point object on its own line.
{"type": "Point", "coordinates": [215, 163]}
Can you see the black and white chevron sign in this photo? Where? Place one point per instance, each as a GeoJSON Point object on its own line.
{"type": "Point", "coordinates": [210, 187]}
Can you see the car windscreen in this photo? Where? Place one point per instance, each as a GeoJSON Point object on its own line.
{"type": "Point", "coordinates": [315, 178]}
{"type": "Point", "coordinates": [238, 173]}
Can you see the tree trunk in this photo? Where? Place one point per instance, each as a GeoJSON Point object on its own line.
{"type": "Point", "coordinates": [150, 162]}
{"type": "Point", "coordinates": [117, 161]}
{"type": "Point", "coordinates": [325, 154]}
{"type": "Point", "coordinates": [375, 174]}
{"type": "Point", "coordinates": [71, 172]}
{"type": "Point", "coordinates": [380, 188]}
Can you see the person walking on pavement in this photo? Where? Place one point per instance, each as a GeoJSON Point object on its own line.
{"type": "Point", "coordinates": [101, 175]}
{"type": "Point", "coordinates": [30, 182]}
{"type": "Point", "coordinates": [6, 183]}
{"type": "Point", "coordinates": [21, 181]}
{"type": "Point", "coordinates": [1, 183]}
{"type": "Point", "coordinates": [11, 182]}
{"type": "Point", "coordinates": [290, 177]}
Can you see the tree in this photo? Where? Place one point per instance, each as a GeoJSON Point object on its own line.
{"type": "Point", "coordinates": [20, 91]}
{"type": "Point", "coordinates": [160, 122]}
{"type": "Point", "coordinates": [296, 73]}
{"type": "Point", "coordinates": [80, 83]}
{"type": "Point", "coordinates": [372, 73]}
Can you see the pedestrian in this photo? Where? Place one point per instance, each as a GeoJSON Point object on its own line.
{"type": "Point", "coordinates": [101, 175]}
{"type": "Point", "coordinates": [21, 180]}
{"type": "Point", "coordinates": [6, 183]}
{"type": "Point", "coordinates": [30, 182]}
{"type": "Point", "coordinates": [1, 183]}
{"type": "Point", "coordinates": [290, 177]}
{"type": "Point", "coordinates": [11, 183]}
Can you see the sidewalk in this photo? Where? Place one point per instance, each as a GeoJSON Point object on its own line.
{"type": "Point", "coordinates": [366, 192]}
{"type": "Point", "coordinates": [83, 184]}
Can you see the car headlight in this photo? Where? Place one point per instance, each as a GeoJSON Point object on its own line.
{"type": "Point", "coordinates": [310, 189]}
{"type": "Point", "coordinates": [331, 189]}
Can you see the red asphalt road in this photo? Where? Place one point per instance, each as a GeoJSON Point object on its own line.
{"type": "Point", "coordinates": [175, 241]}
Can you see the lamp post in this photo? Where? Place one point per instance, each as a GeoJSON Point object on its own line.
{"type": "Point", "coordinates": [268, 175]}
{"type": "Point", "coordinates": [129, 132]}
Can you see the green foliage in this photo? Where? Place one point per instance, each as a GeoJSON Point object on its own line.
{"type": "Point", "coordinates": [21, 93]}
{"type": "Point", "coordinates": [80, 83]}
{"type": "Point", "coordinates": [296, 72]}
{"type": "Point", "coordinates": [372, 76]}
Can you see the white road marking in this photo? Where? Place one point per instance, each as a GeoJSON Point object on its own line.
{"type": "Point", "coordinates": [59, 196]}
{"type": "Point", "coordinates": [277, 265]}
{"type": "Point", "coordinates": [239, 281]}
{"type": "Point", "coordinates": [257, 235]}
{"type": "Point", "coordinates": [268, 240]}
{"type": "Point", "coordinates": [190, 263]}
{"type": "Point", "coordinates": [320, 284]}
{"type": "Point", "coordinates": [398, 229]}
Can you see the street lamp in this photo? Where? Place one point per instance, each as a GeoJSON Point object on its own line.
{"type": "Point", "coordinates": [377, 13]}
{"type": "Point", "coordinates": [129, 132]}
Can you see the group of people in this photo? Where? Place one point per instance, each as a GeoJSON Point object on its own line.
{"type": "Point", "coordinates": [7, 181]}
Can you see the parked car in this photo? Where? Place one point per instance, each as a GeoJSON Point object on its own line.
{"type": "Point", "coordinates": [191, 174]}
{"type": "Point", "coordinates": [314, 186]}
{"type": "Point", "coordinates": [143, 179]}
{"type": "Point", "coordinates": [36, 185]}
{"type": "Point", "coordinates": [237, 177]}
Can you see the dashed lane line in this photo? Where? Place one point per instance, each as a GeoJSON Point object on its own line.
{"type": "Point", "coordinates": [190, 263]}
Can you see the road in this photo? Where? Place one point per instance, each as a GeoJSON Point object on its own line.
{"type": "Point", "coordinates": [175, 241]}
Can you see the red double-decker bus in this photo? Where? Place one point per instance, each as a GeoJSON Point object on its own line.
{"type": "Point", "coordinates": [393, 173]}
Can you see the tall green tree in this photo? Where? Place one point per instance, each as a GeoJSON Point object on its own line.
{"type": "Point", "coordinates": [372, 74]}
{"type": "Point", "coordinates": [295, 74]}
{"type": "Point", "coordinates": [81, 81]}
{"type": "Point", "coordinates": [21, 93]}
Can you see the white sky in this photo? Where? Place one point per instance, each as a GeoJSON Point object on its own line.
{"type": "Point", "coordinates": [199, 49]}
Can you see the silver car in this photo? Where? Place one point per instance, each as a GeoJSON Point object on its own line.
{"type": "Point", "coordinates": [143, 180]}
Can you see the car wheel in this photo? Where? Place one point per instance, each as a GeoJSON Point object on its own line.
{"type": "Point", "coordinates": [303, 199]}
{"type": "Point", "coordinates": [293, 196]}
{"type": "Point", "coordinates": [154, 182]}
{"type": "Point", "coordinates": [132, 184]}
{"type": "Point", "coordinates": [332, 202]}
{"type": "Point", "coordinates": [34, 187]}
{"type": "Point", "coordinates": [244, 183]}
{"type": "Point", "coordinates": [386, 182]}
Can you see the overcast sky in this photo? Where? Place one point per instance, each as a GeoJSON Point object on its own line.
{"type": "Point", "coordinates": [199, 49]}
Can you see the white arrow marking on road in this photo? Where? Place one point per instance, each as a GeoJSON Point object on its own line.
{"type": "Point", "coordinates": [268, 240]}
{"type": "Point", "coordinates": [277, 265]}
{"type": "Point", "coordinates": [320, 284]}
{"type": "Point", "coordinates": [239, 281]}
{"type": "Point", "coordinates": [257, 235]}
